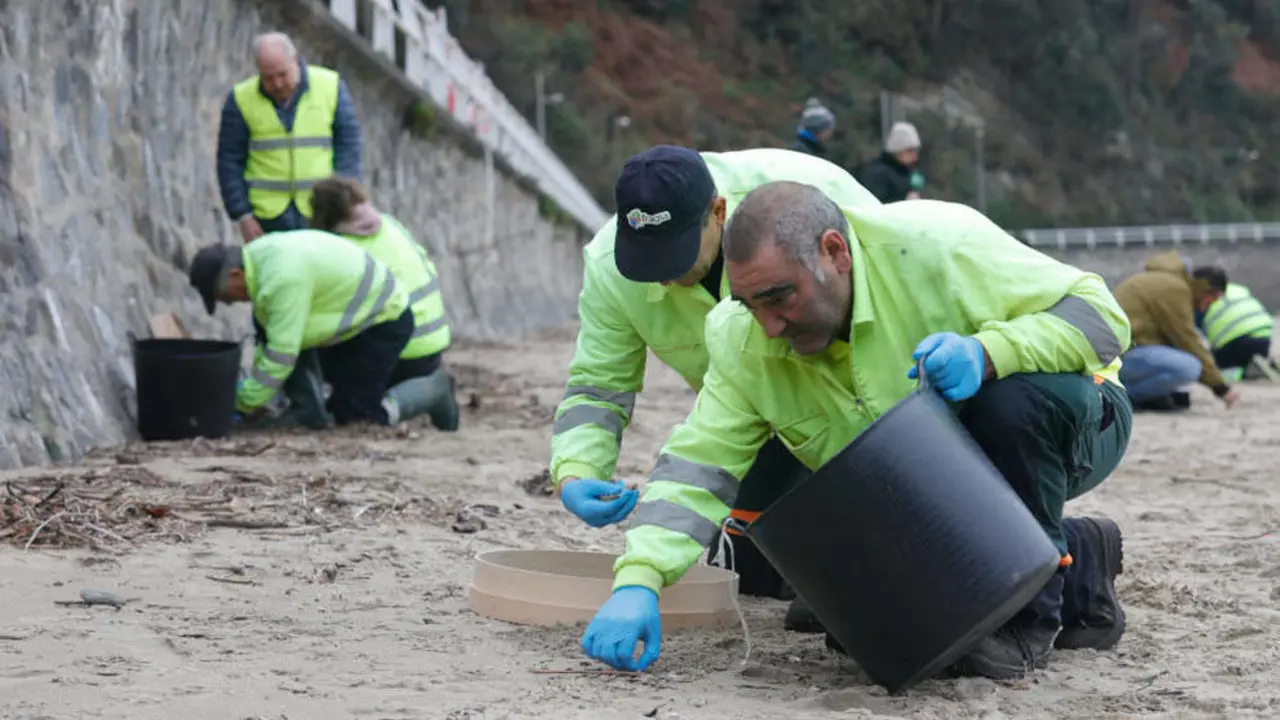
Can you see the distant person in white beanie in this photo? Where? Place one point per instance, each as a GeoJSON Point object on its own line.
{"type": "Point", "coordinates": [892, 176]}
{"type": "Point", "coordinates": [817, 124]}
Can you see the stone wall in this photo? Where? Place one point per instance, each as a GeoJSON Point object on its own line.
{"type": "Point", "coordinates": [1254, 264]}
{"type": "Point", "coordinates": [109, 112]}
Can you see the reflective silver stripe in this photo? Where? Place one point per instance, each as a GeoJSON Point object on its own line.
{"type": "Point", "coordinates": [666, 514]}
{"type": "Point", "coordinates": [362, 294]}
{"type": "Point", "coordinates": [588, 415]}
{"type": "Point", "coordinates": [282, 185]}
{"type": "Point", "coordinates": [269, 382]}
{"type": "Point", "coordinates": [348, 320]}
{"type": "Point", "coordinates": [1215, 340]}
{"type": "Point", "coordinates": [294, 142]}
{"type": "Point", "coordinates": [430, 327]}
{"type": "Point", "coordinates": [1084, 317]}
{"type": "Point", "coordinates": [717, 481]}
{"type": "Point", "coordinates": [422, 292]}
{"type": "Point", "coordinates": [624, 400]}
{"type": "Point", "coordinates": [380, 304]}
{"type": "Point", "coordinates": [276, 356]}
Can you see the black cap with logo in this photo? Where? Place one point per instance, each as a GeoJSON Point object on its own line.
{"type": "Point", "coordinates": [662, 197]}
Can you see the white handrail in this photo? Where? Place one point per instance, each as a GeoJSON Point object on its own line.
{"type": "Point", "coordinates": [435, 62]}
{"type": "Point", "coordinates": [1063, 238]}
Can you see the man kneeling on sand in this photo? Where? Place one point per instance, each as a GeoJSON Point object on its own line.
{"type": "Point", "coordinates": [1029, 345]}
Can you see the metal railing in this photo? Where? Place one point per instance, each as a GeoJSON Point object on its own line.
{"type": "Point", "coordinates": [417, 40]}
{"type": "Point", "coordinates": [1064, 238]}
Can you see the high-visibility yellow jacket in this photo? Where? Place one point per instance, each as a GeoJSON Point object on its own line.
{"type": "Point", "coordinates": [918, 268]}
{"type": "Point", "coordinates": [1235, 315]}
{"type": "Point", "coordinates": [310, 289]}
{"type": "Point", "coordinates": [395, 247]}
{"type": "Point", "coordinates": [284, 166]}
{"type": "Point", "coordinates": [620, 319]}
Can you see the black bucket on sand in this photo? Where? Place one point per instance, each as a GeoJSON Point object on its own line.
{"type": "Point", "coordinates": [185, 388]}
{"type": "Point", "coordinates": [908, 545]}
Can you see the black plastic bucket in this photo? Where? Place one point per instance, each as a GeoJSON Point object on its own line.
{"type": "Point", "coordinates": [185, 388]}
{"type": "Point", "coordinates": [908, 545]}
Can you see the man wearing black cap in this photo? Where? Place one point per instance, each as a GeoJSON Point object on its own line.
{"type": "Point", "coordinates": [651, 276]}
{"type": "Point", "coordinates": [312, 291]}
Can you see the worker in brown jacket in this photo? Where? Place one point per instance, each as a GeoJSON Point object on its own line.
{"type": "Point", "coordinates": [1166, 352]}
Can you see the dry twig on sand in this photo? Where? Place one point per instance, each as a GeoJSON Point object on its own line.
{"type": "Point", "coordinates": [114, 508]}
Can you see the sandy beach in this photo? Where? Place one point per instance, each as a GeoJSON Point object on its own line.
{"type": "Point", "coordinates": [324, 575]}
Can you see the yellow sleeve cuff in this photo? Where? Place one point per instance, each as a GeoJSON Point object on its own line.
{"type": "Point", "coordinates": [1004, 358]}
{"type": "Point", "coordinates": [575, 469]}
{"type": "Point", "coordinates": [641, 575]}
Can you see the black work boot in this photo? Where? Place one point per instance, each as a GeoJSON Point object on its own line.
{"type": "Point", "coordinates": [998, 656]}
{"type": "Point", "coordinates": [1091, 613]}
{"type": "Point", "coordinates": [305, 390]}
{"type": "Point", "coordinates": [802, 620]}
{"type": "Point", "coordinates": [1024, 643]}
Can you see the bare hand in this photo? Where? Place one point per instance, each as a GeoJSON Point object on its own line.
{"type": "Point", "coordinates": [1231, 398]}
{"type": "Point", "coordinates": [250, 230]}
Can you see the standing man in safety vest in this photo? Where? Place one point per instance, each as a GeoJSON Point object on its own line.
{"type": "Point", "coordinates": [831, 310]}
{"type": "Point", "coordinates": [313, 291]}
{"type": "Point", "coordinates": [419, 382]}
{"type": "Point", "coordinates": [1237, 325]}
{"type": "Point", "coordinates": [651, 275]}
{"type": "Point", "coordinates": [282, 131]}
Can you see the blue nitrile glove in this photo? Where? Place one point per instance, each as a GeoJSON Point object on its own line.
{"type": "Point", "coordinates": [582, 498]}
{"type": "Point", "coordinates": [953, 363]}
{"type": "Point", "coordinates": [628, 617]}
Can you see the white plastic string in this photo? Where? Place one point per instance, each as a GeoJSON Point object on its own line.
{"type": "Point", "coordinates": [724, 549]}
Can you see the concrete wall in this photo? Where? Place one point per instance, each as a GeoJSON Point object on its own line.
{"type": "Point", "coordinates": [1254, 264]}
{"type": "Point", "coordinates": [107, 186]}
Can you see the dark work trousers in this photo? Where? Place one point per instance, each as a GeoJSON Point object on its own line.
{"type": "Point", "coordinates": [417, 367]}
{"type": "Point", "coordinates": [1053, 437]}
{"type": "Point", "coordinates": [360, 370]}
{"type": "Point", "coordinates": [1239, 352]}
{"type": "Point", "coordinates": [774, 472]}
{"type": "Point", "coordinates": [291, 219]}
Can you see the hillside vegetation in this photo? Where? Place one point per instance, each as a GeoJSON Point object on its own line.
{"type": "Point", "coordinates": [1095, 111]}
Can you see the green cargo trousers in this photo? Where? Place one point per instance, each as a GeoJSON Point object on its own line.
{"type": "Point", "coordinates": [1054, 437]}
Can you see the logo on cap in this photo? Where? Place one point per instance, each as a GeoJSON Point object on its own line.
{"type": "Point", "coordinates": [638, 218]}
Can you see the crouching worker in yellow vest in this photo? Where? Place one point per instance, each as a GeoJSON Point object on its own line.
{"type": "Point", "coordinates": [830, 310]}
{"type": "Point", "coordinates": [650, 277]}
{"type": "Point", "coordinates": [312, 291]}
{"type": "Point", "coordinates": [419, 382]}
{"type": "Point", "coordinates": [1236, 324]}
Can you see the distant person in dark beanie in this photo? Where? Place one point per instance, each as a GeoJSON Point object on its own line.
{"type": "Point", "coordinates": [892, 177]}
{"type": "Point", "coordinates": [817, 125]}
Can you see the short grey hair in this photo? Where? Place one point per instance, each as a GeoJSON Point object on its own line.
{"type": "Point", "coordinates": [278, 39]}
{"type": "Point", "coordinates": [793, 215]}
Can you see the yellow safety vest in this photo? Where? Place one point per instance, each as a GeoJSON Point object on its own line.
{"type": "Point", "coordinates": [1235, 315]}
{"type": "Point", "coordinates": [310, 289]}
{"type": "Point", "coordinates": [283, 166]}
{"type": "Point", "coordinates": [408, 260]}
